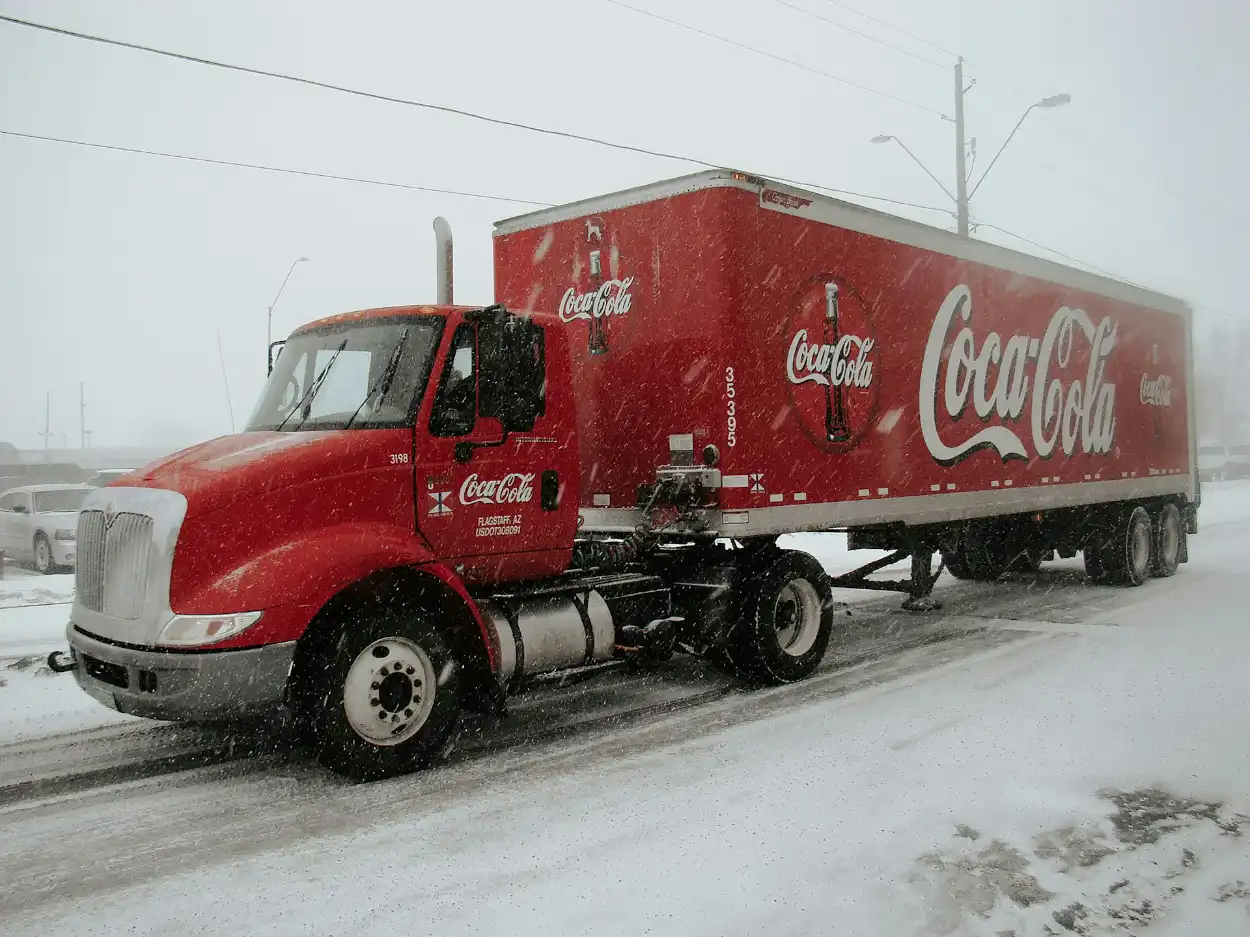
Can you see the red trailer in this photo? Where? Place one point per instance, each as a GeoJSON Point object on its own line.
{"type": "Point", "coordinates": [434, 507]}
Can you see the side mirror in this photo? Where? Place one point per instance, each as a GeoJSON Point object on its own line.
{"type": "Point", "coordinates": [20, 509]}
{"type": "Point", "coordinates": [512, 352]}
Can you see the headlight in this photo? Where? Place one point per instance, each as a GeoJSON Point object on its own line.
{"type": "Point", "coordinates": [185, 630]}
{"type": "Point", "coordinates": [65, 534]}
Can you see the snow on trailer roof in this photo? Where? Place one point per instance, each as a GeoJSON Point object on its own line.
{"type": "Point", "coordinates": [853, 217]}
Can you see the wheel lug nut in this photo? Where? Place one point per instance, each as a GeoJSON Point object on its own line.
{"type": "Point", "coordinates": [394, 718]}
{"type": "Point", "coordinates": [374, 702]}
{"type": "Point", "coordinates": [382, 716]}
{"type": "Point", "coordinates": [411, 670]}
{"type": "Point", "coordinates": [408, 713]}
{"type": "Point", "coordinates": [375, 686]}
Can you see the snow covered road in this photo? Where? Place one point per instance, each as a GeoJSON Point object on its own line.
{"type": "Point", "coordinates": [1041, 757]}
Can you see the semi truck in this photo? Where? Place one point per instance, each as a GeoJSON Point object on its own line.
{"type": "Point", "coordinates": [435, 507]}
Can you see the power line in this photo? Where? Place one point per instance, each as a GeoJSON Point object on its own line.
{"type": "Point", "coordinates": [862, 35]}
{"type": "Point", "coordinates": [778, 58]}
{"type": "Point", "coordinates": [278, 169]}
{"type": "Point", "coordinates": [1106, 273]}
{"type": "Point", "coordinates": [897, 29]}
{"type": "Point", "coordinates": [561, 134]}
{"type": "Point", "coordinates": [400, 185]}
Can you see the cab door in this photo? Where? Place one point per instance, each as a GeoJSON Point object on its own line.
{"type": "Point", "coordinates": [494, 505]}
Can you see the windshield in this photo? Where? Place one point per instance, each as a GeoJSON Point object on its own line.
{"type": "Point", "coordinates": [359, 375]}
{"type": "Point", "coordinates": [59, 502]}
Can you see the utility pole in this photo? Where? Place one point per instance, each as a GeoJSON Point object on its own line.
{"type": "Point", "coordinates": [961, 196]}
{"type": "Point", "coordinates": [82, 416]}
{"type": "Point", "coordinates": [961, 175]}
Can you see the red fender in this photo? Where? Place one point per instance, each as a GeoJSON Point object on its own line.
{"type": "Point", "coordinates": [292, 581]}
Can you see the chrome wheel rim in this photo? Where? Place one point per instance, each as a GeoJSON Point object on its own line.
{"type": "Point", "coordinates": [389, 691]}
{"type": "Point", "coordinates": [797, 617]}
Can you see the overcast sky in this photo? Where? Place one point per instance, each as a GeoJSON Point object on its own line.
{"type": "Point", "coordinates": [120, 270]}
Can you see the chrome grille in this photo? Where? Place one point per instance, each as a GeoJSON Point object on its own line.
{"type": "Point", "coordinates": [112, 563]}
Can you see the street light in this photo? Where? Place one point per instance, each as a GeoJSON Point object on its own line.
{"type": "Point", "coordinates": [886, 138]}
{"type": "Point", "coordinates": [963, 196]}
{"type": "Point", "coordinates": [1057, 100]}
{"type": "Point", "coordinates": [269, 331]}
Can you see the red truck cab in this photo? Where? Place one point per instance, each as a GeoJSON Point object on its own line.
{"type": "Point", "coordinates": [430, 444]}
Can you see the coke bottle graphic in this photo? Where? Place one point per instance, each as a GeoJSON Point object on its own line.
{"type": "Point", "coordinates": [598, 339]}
{"type": "Point", "coordinates": [835, 408]}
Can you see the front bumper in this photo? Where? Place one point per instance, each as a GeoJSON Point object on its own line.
{"type": "Point", "coordinates": [191, 686]}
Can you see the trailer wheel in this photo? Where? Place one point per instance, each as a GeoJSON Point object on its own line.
{"type": "Point", "coordinates": [788, 619]}
{"type": "Point", "coordinates": [1166, 552]}
{"type": "Point", "coordinates": [957, 562]}
{"type": "Point", "coordinates": [985, 551]}
{"type": "Point", "coordinates": [388, 698]}
{"type": "Point", "coordinates": [1126, 552]}
{"type": "Point", "coordinates": [1092, 554]}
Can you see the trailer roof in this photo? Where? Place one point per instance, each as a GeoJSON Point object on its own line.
{"type": "Point", "coordinates": [824, 208]}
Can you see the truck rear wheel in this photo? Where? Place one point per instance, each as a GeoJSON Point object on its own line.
{"type": "Point", "coordinates": [389, 697]}
{"type": "Point", "coordinates": [787, 621]}
{"type": "Point", "coordinates": [1166, 542]}
{"type": "Point", "coordinates": [1126, 549]}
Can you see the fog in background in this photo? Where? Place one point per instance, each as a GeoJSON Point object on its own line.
{"type": "Point", "coordinates": [120, 270]}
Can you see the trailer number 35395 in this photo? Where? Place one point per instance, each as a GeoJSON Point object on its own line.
{"type": "Point", "coordinates": [731, 408]}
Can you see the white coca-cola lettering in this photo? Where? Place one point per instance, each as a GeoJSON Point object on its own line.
{"type": "Point", "coordinates": [515, 488]}
{"type": "Point", "coordinates": [842, 364]}
{"type": "Point", "coordinates": [995, 380]}
{"type": "Point", "coordinates": [1156, 392]}
{"type": "Point", "coordinates": [611, 299]}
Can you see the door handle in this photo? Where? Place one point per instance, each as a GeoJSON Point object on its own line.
{"type": "Point", "coordinates": [549, 490]}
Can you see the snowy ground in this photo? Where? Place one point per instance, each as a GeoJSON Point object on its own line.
{"type": "Point", "coordinates": [1068, 759]}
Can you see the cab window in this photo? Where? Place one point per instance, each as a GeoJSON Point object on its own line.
{"type": "Point", "coordinates": [455, 406]}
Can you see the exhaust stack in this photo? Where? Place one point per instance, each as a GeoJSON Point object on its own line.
{"type": "Point", "coordinates": [443, 261]}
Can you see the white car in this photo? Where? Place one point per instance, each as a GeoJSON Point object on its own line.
{"type": "Point", "coordinates": [39, 524]}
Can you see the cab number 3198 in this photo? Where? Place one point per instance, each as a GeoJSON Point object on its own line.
{"type": "Point", "coordinates": [399, 458]}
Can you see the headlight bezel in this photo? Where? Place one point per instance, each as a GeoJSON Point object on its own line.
{"type": "Point", "coordinates": [187, 631]}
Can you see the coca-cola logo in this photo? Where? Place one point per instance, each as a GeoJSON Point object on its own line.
{"type": "Point", "coordinates": [514, 488]}
{"type": "Point", "coordinates": [785, 200]}
{"type": "Point", "coordinates": [831, 362]}
{"type": "Point", "coordinates": [611, 298]}
{"type": "Point", "coordinates": [1156, 392]}
{"type": "Point", "coordinates": [1060, 377]}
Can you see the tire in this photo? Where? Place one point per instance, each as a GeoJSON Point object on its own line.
{"type": "Point", "coordinates": [956, 562]}
{"type": "Point", "coordinates": [787, 619]}
{"type": "Point", "coordinates": [1168, 533]}
{"type": "Point", "coordinates": [1028, 560]}
{"type": "Point", "coordinates": [1092, 554]}
{"type": "Point", "coordinates": [383, 667]}
{"type": "Point", "coordinates": [1126, 551]}
{"type": "Point", "coordinates": [44, 561]}
{"type": "Point", "coordinates": [985, 551]}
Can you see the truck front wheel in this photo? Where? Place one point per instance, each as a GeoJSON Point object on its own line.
{"type": "Point", "coordinates": [389, 697]}
{"type": "Point", "coordinates": [787, 621]}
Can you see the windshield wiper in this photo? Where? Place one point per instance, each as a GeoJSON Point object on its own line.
{"type": "Point", "coordinates": [306, 400]}
{"type": "Point", "coordinates": [383, 384]}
